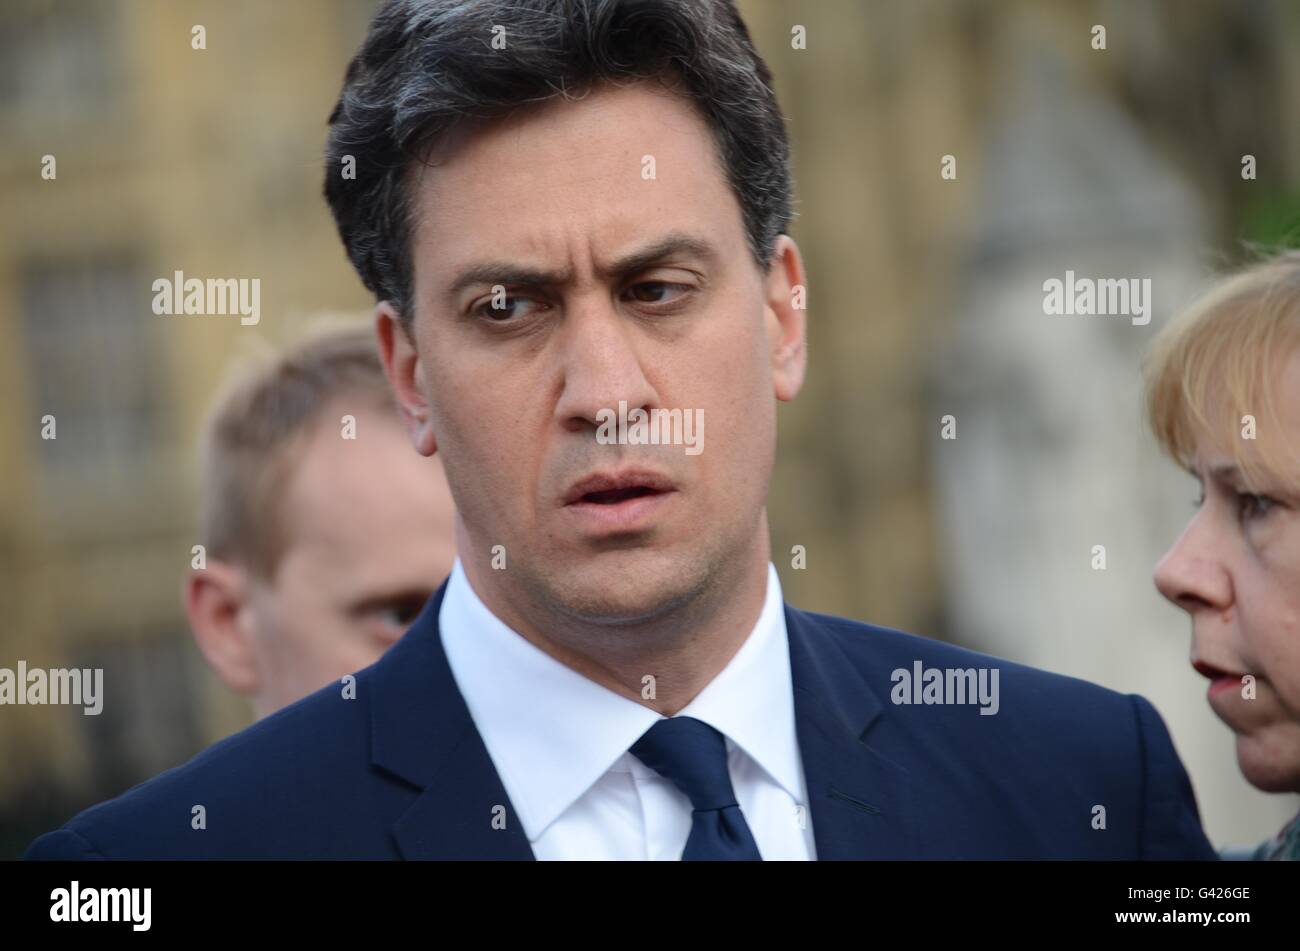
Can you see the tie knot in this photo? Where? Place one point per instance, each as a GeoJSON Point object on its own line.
{"type": "Point", "coordinates": [693, 756]}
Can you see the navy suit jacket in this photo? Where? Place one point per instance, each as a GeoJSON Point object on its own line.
{"type": "Point", "coordinates": [400, 771]}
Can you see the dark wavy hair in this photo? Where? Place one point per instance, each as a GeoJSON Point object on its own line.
{"type": "Point", "coordinates": [427, 65]}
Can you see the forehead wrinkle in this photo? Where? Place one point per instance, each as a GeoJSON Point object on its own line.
{"type": "Point", "coordinates": [575, 255]}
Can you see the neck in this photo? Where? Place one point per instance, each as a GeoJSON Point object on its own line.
{"type": "Point", "coordinates": [683, 648]}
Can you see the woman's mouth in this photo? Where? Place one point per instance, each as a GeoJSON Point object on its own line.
{"type": "Point", "coordinates": [1221, 681]}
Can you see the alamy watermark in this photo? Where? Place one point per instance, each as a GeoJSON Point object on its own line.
{"type": "Point", "coordinates": [1105, 297]}
{"type": "Point", "coordinates": [947, 686]}
{"type": "Point", "coordinates": [74, 904]}
{"type": "Point", "coordinates": [658, 427]}
{"type": "Point", "coordinates": [217, 296]}
{"type": "Point", "coordinates": [74, 686]}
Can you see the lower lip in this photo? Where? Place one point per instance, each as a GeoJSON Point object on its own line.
{"type": "Point", "coordinates": [628, 515]}
{"type": "Point", "coordinates": [1220, 685]}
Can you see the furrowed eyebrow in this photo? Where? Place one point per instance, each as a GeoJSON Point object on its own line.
{"type": "Point", "coordinates": [491, 273]}
{"type": "Point", "coordinates": [507, 274]}
{"type": "Point", "coordinates": [672, 245]}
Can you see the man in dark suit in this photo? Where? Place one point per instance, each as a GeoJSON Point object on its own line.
{"type": "Point", "coordinates": [401, 772]}
{"type": "Point", "coordinates": [566, 209]}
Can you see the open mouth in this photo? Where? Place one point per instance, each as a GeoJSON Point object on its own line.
{"type": "Point", "coordinates": [620, 502]}
{"type": "Point", "coordinates": [1221, 681]}
{"type": "Point", "coordinates": [614, 488]}
{"type": "Point", "coordinates": [614, 496]}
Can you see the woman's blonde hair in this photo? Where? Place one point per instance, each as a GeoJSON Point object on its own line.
{"type": "Point", "coordinates": [1219, 363]}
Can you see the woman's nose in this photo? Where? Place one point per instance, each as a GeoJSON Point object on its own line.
{"type": "Point", "coordinates": [1191, 575]}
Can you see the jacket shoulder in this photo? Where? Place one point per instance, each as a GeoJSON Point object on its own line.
{"type": "Point", "coordinates": [244, 796]}
{"type": "Point", "coordinates": [872, 648]}
{"type": "Point", "coordinates": [1060, 742]}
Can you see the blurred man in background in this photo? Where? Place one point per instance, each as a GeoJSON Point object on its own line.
{"type": "Point", "coordinates": [323, 533]}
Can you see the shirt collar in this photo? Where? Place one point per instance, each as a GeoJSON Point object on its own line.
{"type": "Point", "coordinates": [751, 701]}
{"type": "Point", "coordinates": [552, 733]}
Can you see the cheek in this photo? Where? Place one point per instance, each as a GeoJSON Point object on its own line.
{"type": "Point", "coordinates": [1269, 617]}
{"type": "Point", "coordinates": [1280, 654]}
{"type": "Point", "coordinates": [458, 396]}
{"type": "Point", "coordinates": [490, 447]}
{"type": "Point", "coordinates": [731, 366]}
{"type": "Point", "coordinates": [301, 619]}
{"type": "Point", "coordinates": [740, 389]}
{"type": "Point", "coordinates": [311, 633]}
{"type": "Point", "coordinates": [359, 649]}
{"type": "Point", "coordinates": [477, 415]}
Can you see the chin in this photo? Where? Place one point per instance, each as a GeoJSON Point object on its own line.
{"type": "Point", "coordinates": [1266, 767]}
{"type": "Point", "coordinates": [627, 586]}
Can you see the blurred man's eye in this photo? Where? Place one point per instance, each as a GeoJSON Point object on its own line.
{"type": "Point", "coordinates": [389, 618]}
{"type": "Point", "coordinates": [402, 612]}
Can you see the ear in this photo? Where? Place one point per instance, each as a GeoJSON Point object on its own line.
{"type": "Point", "coordinates": [786, 293]}
{"type": "Point", "coordinates": [216, 598]}
{"type": "Point", "coordinates": [405, 371]}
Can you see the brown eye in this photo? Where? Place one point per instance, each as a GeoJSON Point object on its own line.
{"type": "Point", "coordinates": [406, 611]}
{"type": "Point", "coordinates": [655, 292]}
{"type": "Point", "coordinates": [648, 293]}
{"type": "Point", "coordinates": [511, 308]}
{"type": "Point", "coordinates": [400, 612]}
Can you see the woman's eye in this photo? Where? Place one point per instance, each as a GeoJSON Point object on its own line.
{"type": "Point", "coordinates": [1251, 505]}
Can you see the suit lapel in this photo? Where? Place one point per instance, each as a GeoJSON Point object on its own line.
{"type": "Point", "coordinates": [858, 799]}
{"type": "Point", "coordinates": [422, 732]}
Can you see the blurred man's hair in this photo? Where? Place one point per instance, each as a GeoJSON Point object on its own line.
{"type": "Point", "coordinates": [258, 427]}
{"type": "Point", "coordinates": [1219, 362]}
{"type": "Point", "coordinates": [428, 66]}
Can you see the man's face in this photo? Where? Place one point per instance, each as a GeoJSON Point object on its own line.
{"type": "Point", "coordinates": [623, 281]}
{"type": "Point", "coordinates": [369, 536]}
{"type": "Point", "coordinates": [1236, 571]}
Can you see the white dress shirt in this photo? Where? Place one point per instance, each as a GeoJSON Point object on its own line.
{"type": "Point", "coordinates": [560, 741]}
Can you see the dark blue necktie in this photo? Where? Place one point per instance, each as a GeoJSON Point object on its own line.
{"type": "Point", "coordinates": [693, 755]}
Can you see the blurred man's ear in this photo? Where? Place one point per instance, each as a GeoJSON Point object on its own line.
{"type": "Point", "coordinates": [216, 599]}
{"type": "Point", "coordinates": [786, 294]}
{"type": "Point", "coordinates": [405, 373]}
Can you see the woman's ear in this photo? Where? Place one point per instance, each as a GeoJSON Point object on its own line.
{"type": "Point", "coordinates": [405, 371]}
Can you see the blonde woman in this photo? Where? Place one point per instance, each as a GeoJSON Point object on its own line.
{"type": "Point", "coordinates": [1223, 396]}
